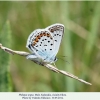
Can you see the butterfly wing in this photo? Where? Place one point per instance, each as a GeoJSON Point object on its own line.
{"type": "Point", "coordinates": [30, 39]}
{"type": "Point", "coordinates": [45, 43]}
{"type": "Point", "coordinates": [57, 31]}
{"type": "Point", "coordinates": [41, 43]}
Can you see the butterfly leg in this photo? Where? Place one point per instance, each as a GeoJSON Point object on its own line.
{"type": "Point", "coordinates": [54, 64]}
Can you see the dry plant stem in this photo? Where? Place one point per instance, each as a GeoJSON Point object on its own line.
{"type": "Point", "coordinates": [51, 67]}
{"type": "Point", "coordinates": [21, 53]}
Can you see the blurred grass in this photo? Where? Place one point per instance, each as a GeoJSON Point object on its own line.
{"type": "Point", "coordinates": [5, 79]}
{"type": "Point", "coordinates": [91, 40]}
{"type": "Point", "coordinates": [79, 44]}
{"type": "Point", "coordinates": [67, 49]}
{"type": "Point", "coordinates": [92, 36]}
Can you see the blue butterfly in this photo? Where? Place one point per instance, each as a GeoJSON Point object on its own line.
{"type": "Point", "coordinates": [44, 43]}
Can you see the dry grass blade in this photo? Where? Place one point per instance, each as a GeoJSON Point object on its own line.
{"type": "Point", "coordinates": [21, 53]}
{"type": "Point", "coordinates": [51, 67]}
{"type": "Point", "coordinates": [66, 73]}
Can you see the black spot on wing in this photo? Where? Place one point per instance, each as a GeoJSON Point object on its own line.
{"type": "Point", "coordinates": [48, 41]}
{"type": "Point", "coordinates": [36, 45]}
{"type": "Point", "coordinates": [51, 44]}
{"type": "Point", "coordinates": [29, 46]}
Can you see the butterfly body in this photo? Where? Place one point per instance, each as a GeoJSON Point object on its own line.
{"type": "Point", "coordinates": [44, 43]}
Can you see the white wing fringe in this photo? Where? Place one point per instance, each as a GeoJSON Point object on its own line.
{"type": "Point", "coordinates": [51, 67]}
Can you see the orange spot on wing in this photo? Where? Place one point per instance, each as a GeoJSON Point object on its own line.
{"type": "Point", "coordinates": [34, 44]}
{"type": "Point", "coordinates": [44, 34]}
{"type": "Point", "coordinates": [36, 40]}
{"type": "Point", "coordinates": [41, 34]}
{"type": "Point", "coordinates": [48, 35]}
{"type": "Point", "coordinates": [38, 36]}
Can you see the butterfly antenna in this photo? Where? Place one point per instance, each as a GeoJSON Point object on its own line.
{"type": "Point", "coordinates": [63, 60]}
{"type": "Point", "coordinates": [63, 56]}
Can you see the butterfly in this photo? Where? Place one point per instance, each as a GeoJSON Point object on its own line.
{"type": "Point", "coordinates": [44, 43]}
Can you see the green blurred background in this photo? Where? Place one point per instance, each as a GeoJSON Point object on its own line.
{"type": "Point", "coordinates": [80, 44]}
